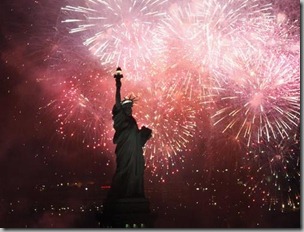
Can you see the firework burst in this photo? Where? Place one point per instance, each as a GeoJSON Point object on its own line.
{"type": "Point", "coordinates": [259, 97]}
{"type": "Point", "coordinates": [281, 37]}
{"type": "Point", "coordinates": [119, 33]}
{"type": "Point", "coordinates": [83, 112]}
{"type": "Point", "coordinates": [201, 30]}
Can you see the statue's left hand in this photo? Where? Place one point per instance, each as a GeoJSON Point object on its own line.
{"type": "Point", "coordinates": [147, 132]}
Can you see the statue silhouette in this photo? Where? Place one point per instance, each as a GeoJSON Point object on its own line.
{"type": "Point", "coordinates": [128, 180]}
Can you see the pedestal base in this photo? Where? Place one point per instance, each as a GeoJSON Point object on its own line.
{"type": "Point", "coordinates": [127, 213]}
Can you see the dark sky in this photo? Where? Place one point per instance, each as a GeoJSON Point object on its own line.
{"type": "Point", "coordinates": [50, 180]}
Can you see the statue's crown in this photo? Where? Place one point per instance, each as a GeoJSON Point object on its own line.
{"type": "Point", "coordinates": [127, 101]}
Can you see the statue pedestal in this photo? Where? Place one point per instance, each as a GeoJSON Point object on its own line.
{"type": "Point", "coordinates": [127, 213]}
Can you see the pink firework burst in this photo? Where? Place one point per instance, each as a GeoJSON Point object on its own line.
{"type": "Point", "coordinates": [200, 31]}
{"type": "Point", "coordinates": [119, 33]}
{"type": "Point", "coordinates": [83, 111]}
{"type": "Point", "coordinates": [283, 36]}
{"type": "Point", "coordinates": [259, 97]}
{"type": "Point", "coordinates": [279, 36]}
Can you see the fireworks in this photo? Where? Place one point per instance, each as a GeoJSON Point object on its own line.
{"type": "Point", "coordinates": [119, 33]}
{"type": "Point", "coordinates": [83, 111]}
{"type": "Point", "coordinates": [259, 99]}
{"type": "Point", "coordinates": [173, 125]}
{"type": "Point", "coordinates": [185, 60]}
{"type": "Point", "coordinates": [281, 36]}
{"type": "Point", "coordinates": [201, 30]}
{"type": "Point", "coordinates": [217, 81]}
{"type": "Point", "coordinates": [273, 173]}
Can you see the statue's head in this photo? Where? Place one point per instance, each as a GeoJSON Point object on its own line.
{"type": "Point", "coordinates": [127, 105]}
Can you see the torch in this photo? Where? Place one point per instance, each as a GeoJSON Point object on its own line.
{"type": "Point", "coordinates": [118, 75]}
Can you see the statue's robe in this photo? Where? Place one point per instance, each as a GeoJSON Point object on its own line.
{"type": "Point", "coordinates": [128, 180]}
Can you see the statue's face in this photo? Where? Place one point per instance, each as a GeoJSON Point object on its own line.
{"type": "Point", "coordinates": [128, 109]}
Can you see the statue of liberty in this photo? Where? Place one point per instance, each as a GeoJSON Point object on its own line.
{"type": "Point", "coordinates": [128, 180]}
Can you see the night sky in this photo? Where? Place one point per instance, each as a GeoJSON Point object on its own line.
{"type": "Point", "coordinates": [218, 83]}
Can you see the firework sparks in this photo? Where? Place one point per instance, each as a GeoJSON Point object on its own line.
{"type": "Point", "coordinates": [272, 175]}
{"type": "Point", "coordinates": [173, 124]}
{"type": "Point", "coordinates": [259, 99]}
{"type": "Point", "coordinates": [218, 82]}
{"type": "Point", "coordinates": [180, 56]}
{"type": "Point", "coordinates": [119, 33]}
{"type": "Point", "coordinates": [83, 111]}
{"type": "Point", "coordinates": [201, 30]}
